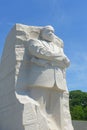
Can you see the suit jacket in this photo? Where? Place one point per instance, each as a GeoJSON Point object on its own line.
{"type": "Point", "coordinates": [47, 66]}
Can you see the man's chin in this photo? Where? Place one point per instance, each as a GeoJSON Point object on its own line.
{"type": "Point", "coordinates": [49, 39]}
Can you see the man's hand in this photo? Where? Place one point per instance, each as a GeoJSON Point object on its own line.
{"type": "Point", "coordinates": [66, 61]}
{"type": "Point", "coordinates": [62, 61]}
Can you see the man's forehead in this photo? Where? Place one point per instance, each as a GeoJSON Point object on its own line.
{"type": "Point", "coordinates": [48, 28]}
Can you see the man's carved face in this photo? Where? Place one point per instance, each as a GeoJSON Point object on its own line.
{"type": "Point", "coordinates": [48, 33]}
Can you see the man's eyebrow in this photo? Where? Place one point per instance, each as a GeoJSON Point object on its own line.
{"type": "Point", "coordinates": [50, 30]}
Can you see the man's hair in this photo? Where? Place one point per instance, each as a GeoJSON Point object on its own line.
{"type": "Point", "coordinates": [48, 27]}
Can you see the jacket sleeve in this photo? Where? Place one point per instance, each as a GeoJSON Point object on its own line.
{"type": "Point", "coordinates": [66, 59]}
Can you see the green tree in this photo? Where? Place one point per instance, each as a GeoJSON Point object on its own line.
{"type": "Point", "coordinates": [77, 113]}
{"type": "Point", "coordinates": [78, 105]}
{"type": "Point", "coordinates": [85, 111]}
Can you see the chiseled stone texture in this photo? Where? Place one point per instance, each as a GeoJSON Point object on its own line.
{"type": "Point", "coordinates": [28, 109]}
{"type": "Point", "coordinates": [12, 111]}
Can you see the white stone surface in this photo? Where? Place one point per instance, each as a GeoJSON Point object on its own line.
{"type": "Point", "coordinates": [33, 90]}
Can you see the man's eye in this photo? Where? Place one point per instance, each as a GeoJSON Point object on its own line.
{"type": "Point", "coordinates": [52, 31]}
{"type": "Point", "coordinates": [48, 31]}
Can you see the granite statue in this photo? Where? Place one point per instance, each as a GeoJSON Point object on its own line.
{"type": "Point", "coordinates": [33, 80]}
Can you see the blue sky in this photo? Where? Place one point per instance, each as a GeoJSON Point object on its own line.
{"type": "Point", "coordinates": [68, 17]}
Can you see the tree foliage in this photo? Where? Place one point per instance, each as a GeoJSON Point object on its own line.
{"type": "Point", "coordinates": [78, 105]}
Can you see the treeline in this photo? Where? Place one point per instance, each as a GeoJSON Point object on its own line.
{"type": "Point", "coordinates": [78, 105]}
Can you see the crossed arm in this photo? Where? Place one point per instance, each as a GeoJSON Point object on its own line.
{"type": "Point", "coordinates": [38, 50]}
